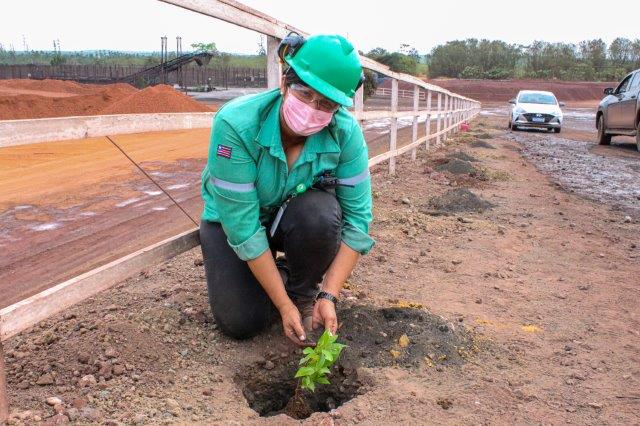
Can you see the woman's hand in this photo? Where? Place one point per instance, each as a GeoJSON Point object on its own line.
{"type": "Point", "coordinates": [292, 325]}
{"type": "Point", "coordinates": [324, 314]}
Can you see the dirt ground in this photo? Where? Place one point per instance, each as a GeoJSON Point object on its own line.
{"type": "Point", "coordinates": [519, 307]}
{"type": "Point", "coordinates": [26, 99]}
{"type": "Point", "coordinates": [71, 206]}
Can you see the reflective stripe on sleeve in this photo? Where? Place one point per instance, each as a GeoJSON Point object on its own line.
{"type": "Point", "coordinates": [237, 187]}
{"type": "Point", "coordinates": [353, 181]}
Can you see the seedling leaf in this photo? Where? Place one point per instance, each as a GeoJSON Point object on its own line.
{"type": "Point", "coordinates": [318, 361]}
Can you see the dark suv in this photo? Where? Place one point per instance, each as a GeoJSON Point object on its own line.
{"type": "Point", "coordinates": [619, 112]}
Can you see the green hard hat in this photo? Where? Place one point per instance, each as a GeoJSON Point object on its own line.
{"type": "Point", "coordinates": [330, 65]}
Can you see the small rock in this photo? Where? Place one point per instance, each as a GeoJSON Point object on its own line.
{"type": "Point", "coordinates": [91, 414]}
{"type": "Point", "coordinates": [79, 403]}
{"type": "Point", "coordinates": [423, 253]}
{"type": "Point", "coordinates": [112, 308]}
{"type": "Point", "coordinates": [73, 414]}
{"type": "Point", "coordinates": [83, 358]}
{"type": "Point", "coordinates": [25, 415]}
{"type": "Point", "coordinates": [406, 201]}
{"type": "Point", "coordinates": [59, 409]}
{"type": "Point", "coordinates": [173, 407]}
{"type": "Point", "coordinates": [88, 380]}
{"type": "Point", "coordinates": [445, 403]}
{"type": "Point", "coordinates": [595, 405]}
{"type": "Point", "coordinates": [110, 353]}
{"type": "Point", "coordinates": [456, 262]}
{"type": "Point", "coordinates": [464, 219]}
{"type": "Point", "coordinates": [45, 379]}
{"type": "Point", "coordinates": [118, 370]}
{"type": "Point", "coordinates": [479, 301]}
{"type": "Point", "coordinates": [58, 419]}
{"type": "Point", "coordinates": [269, 365]}
{"type": "Point", "coordinates": [68, 316]}
{"type": "Point", "coordinates": [627, 219]}
{"type": "Point", "coordinates": [198, 262]}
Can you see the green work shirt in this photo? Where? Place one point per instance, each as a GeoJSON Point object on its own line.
{"type": "Point", "coordinates": [247, 177]}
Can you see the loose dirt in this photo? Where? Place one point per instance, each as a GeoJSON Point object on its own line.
{"type": "Point", "coordinates": [459, 200]}
{"type": "Point", "coordinates": [545, 282]}
{"type": "Point", "coordinates": [460, 155]}
{"type": "Point", "coordinates": [25, 99]}
{"type": "Point", "coordinates": [160, 98]}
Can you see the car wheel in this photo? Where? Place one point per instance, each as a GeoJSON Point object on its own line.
{"type": "Point", "coordinates": [514, 127]}
{"type": "Point", "coordinates": [556, 129]}
{"type": "Point", "coordinates": [603, 138]}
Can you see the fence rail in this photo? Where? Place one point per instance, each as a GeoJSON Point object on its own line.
{"type": "Point", "coordinates": [451, 109]}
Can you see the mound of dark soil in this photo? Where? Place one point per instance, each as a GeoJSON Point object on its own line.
{"type": "Point", "coordinates": [481, 144]}
{"type": "Point", "coordinates": [459, 200]}
{"type": "Point", "coordinates": [458, 167]}
{"type": "Point", "coordinates": [463, 156]}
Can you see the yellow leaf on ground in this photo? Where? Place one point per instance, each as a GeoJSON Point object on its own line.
{"type": "Point", "coordinates": [407, 304]}
{"type": "Point", "coordinates": [403, 341]}
{"type": "Point", "coordinates": [530, 328]}
{"type": "Point", "coordinates": [394, 353]}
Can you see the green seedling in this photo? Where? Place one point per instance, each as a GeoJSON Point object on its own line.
{"type": "Point", "coordinates": [314, 366]}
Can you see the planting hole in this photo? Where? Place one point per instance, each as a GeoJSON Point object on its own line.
{"type": "Point", "coordinates": [272, 392]}
{"type": "Point", "coordinates": [375, 337]}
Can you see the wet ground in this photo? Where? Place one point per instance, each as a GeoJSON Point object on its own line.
{"type": "Point", "coordinates": [607, 174]}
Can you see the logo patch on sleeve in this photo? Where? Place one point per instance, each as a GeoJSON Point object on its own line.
{"type": "Point", "coordinates": [224, 151]}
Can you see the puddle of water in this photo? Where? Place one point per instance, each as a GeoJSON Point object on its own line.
{"type": "Point", "coordinates": [608, 179]}
{"type": "Point", "coordinates": [178, 186]}
{"type": "Point", "coordinates": [45, 226]}
{"type": "Point", "coordinates": [127, 202]}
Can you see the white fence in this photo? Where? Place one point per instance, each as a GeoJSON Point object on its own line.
{"type": "Point", "coordinates": [447, 109]}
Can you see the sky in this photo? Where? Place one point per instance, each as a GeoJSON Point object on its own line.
{"type": "Point", "coordinates": [137, 25]}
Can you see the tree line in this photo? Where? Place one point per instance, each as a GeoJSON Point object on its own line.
{"type": "Point", "coordinates": [589, 60]}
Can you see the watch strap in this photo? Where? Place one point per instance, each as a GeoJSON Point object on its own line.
{"type": "Point", "coordinates": [328, 296]}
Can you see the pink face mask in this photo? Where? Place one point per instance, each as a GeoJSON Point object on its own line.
{"type": "Point", "coordinates": [303, 119]}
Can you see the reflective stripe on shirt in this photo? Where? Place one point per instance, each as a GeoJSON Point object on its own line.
{"type": "Point", "coordinates": [237, 187]}
{"type": "Point", "coordinates": [353, 181]}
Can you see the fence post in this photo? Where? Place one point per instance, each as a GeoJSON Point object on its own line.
{"type": "Point", "coordinates": [393, 139]}
{"type": "Point", "coordinates": [427, 143]}
{"type": "Point", "coordinates": [358, 104]}
{"type": "Point", "coordinates": [438, 123]}
{"type": "Point", "coordinates": [414, 134]}
{"type": "Point", "coordinates": [445, 133]}
{"type": "Point", "coordinates": [273, 63]}
{"type": "Point", "coordinates": [4, 397]}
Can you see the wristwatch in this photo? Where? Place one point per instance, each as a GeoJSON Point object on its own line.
{"type": "Point", "coordinates": [328, 296]}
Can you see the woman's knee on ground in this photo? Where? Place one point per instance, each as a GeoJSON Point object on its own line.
{"type": "Point", "coordinates": [240, 325]}
{"type": "Point", "coordinates": [315, 214]}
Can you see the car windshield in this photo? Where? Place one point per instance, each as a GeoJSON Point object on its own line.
{"type": "Point", "coordinates": [537, 98]}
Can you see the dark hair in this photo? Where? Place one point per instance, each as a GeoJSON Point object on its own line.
{"type": "Point", "coordinates": [290, 77]}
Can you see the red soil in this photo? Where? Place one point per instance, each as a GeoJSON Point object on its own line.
{"type": "Point", "coordinates": [25, 99]}
{"type": "Point", "coordinates": [161, 98]}
{"type": "Point", "coordinates": [503, 90]}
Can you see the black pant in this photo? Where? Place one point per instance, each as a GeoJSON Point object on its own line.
{"type": "Point", "coordinates": [309, 234]}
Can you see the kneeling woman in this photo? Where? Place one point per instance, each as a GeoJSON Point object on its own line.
{"type": "Point", "coordinates": [287, 172]}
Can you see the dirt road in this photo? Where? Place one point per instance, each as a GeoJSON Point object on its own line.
{"type": "Point", "coordinates": [518, 298]}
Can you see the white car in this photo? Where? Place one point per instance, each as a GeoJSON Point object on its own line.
{"type": "Point", "coordinates": [536, 109]}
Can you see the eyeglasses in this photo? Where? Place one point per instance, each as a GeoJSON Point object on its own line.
{"type": "Point", "coordinates": [310, 96]}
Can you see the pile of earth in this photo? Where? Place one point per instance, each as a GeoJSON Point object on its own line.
{"type": "Point", "coordinates": [28, 99]}
{"type": "Point", "coordinates": [459, 200]}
